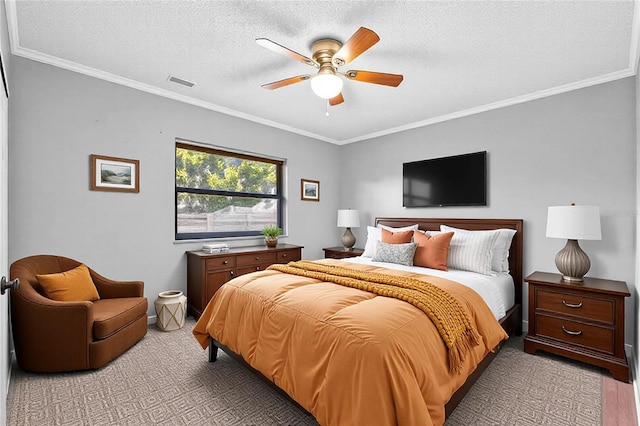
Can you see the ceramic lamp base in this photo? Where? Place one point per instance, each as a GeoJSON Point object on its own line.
{"type": "Point", "coordinates": [348, 239]}
{"type": "Point", "coordinates": [572, 262]}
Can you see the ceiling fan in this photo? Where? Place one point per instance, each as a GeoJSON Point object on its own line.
{"type": "Point", "coordinates": [328, 55]}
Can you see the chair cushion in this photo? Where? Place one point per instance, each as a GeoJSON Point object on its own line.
{"type": "Point", "coordinates": [111, 315]}
{"type": "Point", "coordinates": [74, 285]}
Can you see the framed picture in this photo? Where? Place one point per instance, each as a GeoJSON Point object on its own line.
{"type": "Point", "coordinates": [309, 190]}
{"type": "Point", "coordinates": [114, 174]}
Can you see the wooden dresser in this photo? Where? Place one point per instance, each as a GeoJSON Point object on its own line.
{"type": "Point", "coordinates": [207, 272]}
{"type": "Point", "coordinates": [580, 320]}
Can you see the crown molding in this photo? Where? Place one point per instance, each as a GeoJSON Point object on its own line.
{"type": "Point", "coordinates": [16, 49]}
{"type": "Point", "coordinates": [500, 104]}
{"type": "Point", "coordinates": [113, 78]}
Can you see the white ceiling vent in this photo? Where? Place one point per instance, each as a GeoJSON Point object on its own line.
{"type": "Point", "coordinates": [177, 80]}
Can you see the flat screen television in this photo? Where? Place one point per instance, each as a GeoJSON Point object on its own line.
{"type": "Point", "coordinates": [459, 180]}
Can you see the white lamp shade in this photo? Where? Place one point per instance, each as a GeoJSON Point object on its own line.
{"type": "Point", "coordinates": [348, 218]}
{"type": "Point", "coordinates": [326, 86]}
{"type": "Point", "coordinates": [574, 222]}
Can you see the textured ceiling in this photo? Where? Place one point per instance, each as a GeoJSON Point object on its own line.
{"type": "Point", "coordinates": [457, 57]}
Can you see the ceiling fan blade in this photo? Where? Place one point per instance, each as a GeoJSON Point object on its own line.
{"type": "Point", "coordinates": [360, 41]}
{"type": "Point", "coordinates": [374, 77]}
{"type": "Point", "coordinates": [275, 47]}
{"type": "Point", "coordinates": [286, 82]}
{"type": "Point", "coordinates": [336, 100]}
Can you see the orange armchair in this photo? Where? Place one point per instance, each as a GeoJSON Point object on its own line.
{"type": "Point", "coordinates": [52, 336]}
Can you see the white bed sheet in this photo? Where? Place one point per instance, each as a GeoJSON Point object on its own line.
{"type": "Point", "coordinates": [497, 291]}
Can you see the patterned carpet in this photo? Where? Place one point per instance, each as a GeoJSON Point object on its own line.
{"type": "Point", "coordinates": [520, 389]}
{"type": "Point", "coordinates": [166, 380]}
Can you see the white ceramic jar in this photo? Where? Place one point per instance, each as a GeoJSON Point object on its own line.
{"type": "Point", "coordinates": [170, 310]}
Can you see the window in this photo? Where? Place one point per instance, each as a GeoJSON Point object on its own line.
{"type": "Point", "coordinates": [225, 194]}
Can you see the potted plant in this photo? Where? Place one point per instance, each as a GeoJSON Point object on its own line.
{"type": "Point", "coordinates": [271, 234]}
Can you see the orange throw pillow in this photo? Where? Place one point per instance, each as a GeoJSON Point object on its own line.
{"type": "Point", "coordinates": [74, 285]}
{"type": "Point", "coordinates": [432, 251]}
{"type": "Point", "coordinates": [401, 237]}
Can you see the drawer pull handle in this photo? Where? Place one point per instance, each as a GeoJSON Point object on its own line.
{"type": "Point", "coordinates": [571, 305]}
{"type": "Point", "coordinates": [257, 268]}
{"type": "Point", "coordinates": [572, 333]}
{"type": "Point", "coordinates": [257, 258]}
{"type": "Point", "coordinates": [232, 273]}
{"type": "Point", "coordinates": [225, 262]}
{"type": "Point", "coordinates": [284, 255]}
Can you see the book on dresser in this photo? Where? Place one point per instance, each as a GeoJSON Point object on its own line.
{"type": "Point", "coordinates": [207, 272]}
{"type": "Point", "coordinates": [215, 248]}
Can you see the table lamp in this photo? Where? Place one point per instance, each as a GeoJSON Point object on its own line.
{"type": "Point", "coordinates": [348, 219]}
{"type": "Point", "coordinates": [573, 223]}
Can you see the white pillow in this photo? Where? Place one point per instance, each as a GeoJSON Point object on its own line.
{"type": "Point", "coordinates": [500, 260]}
{"type": "Point", "coordinates": [500, 252]}
{"type": "Point", "coordinates": [471, 250]}
{"type": "Point", "coordinates": [374, 235]}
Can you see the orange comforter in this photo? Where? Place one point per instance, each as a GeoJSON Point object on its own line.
{"type": "Point", "coordinates": [347, 356]}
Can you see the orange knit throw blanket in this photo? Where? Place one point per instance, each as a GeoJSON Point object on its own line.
{"type": "Point", "coordinates": [444, 310]}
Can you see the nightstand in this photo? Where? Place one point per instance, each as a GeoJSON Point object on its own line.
{"type": "Point", "coordinates": [341, 253]}
{"type": "Point", "coordinates": [583, 321]}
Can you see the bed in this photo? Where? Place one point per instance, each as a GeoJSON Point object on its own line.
{"type": "Point", "coordinates": [395, 364]}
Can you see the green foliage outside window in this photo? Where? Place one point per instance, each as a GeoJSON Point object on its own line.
{"type": "Point", "coordinates": [209, 182]}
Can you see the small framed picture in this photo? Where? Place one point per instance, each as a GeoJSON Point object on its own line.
{"type": "Point", "coordinates": [309, 190]}
{"type": "Point", "coordinates": [114, 174]}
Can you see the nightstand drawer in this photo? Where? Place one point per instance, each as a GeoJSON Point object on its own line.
{"type": "Point", "coordinates": [341, 255]}
{"type": "Point", "coordinates": [257, 258]}
{"type": "Point", "coordinates": [576, 304]}
{"type": "Point", "coordinates": [590, 336]}
{"type": "Point", "coordinates": [221, 262]}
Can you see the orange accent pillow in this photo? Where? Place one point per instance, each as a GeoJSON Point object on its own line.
{"type": "Point", "coordinates": [402, 237]}
{"type": "Point", "coordinates": [432, 251]}
{"type": "Point", "coordinates": [74, 285]}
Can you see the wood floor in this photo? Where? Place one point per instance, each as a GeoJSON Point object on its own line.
{"type": "Point", "coordinates": [618, 403]}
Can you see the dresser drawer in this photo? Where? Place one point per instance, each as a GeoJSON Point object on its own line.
{"type": "Point", "coordinates": [576, 304]}
{"type": "Point", "coordinates": [253, 268]}
{"type": "Point", "coordinates": [256, 258]}
{"type": "Point", "coordinates": [590, 336]}
{"type": "Point", "coordinates": [220, 262]}
{"type": "Point", "coordinates": [285, 256]}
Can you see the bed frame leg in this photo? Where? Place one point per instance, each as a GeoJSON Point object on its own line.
{"type": "Point", "coordinates": [213, 351]}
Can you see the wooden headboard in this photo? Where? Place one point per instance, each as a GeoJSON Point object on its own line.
{"type": "Point", "coordinates": [515, 252]}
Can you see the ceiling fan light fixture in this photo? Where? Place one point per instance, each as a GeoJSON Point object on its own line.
{"type": "Point", "coordinates": [328, 55]}
{"type": "Point", "coordinates": [326, 86]}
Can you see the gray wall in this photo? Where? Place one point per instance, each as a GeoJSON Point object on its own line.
{"type": "Point", "coordinates": [58, 118]}
{"type": "Point", "coordinates": [575, 147]}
